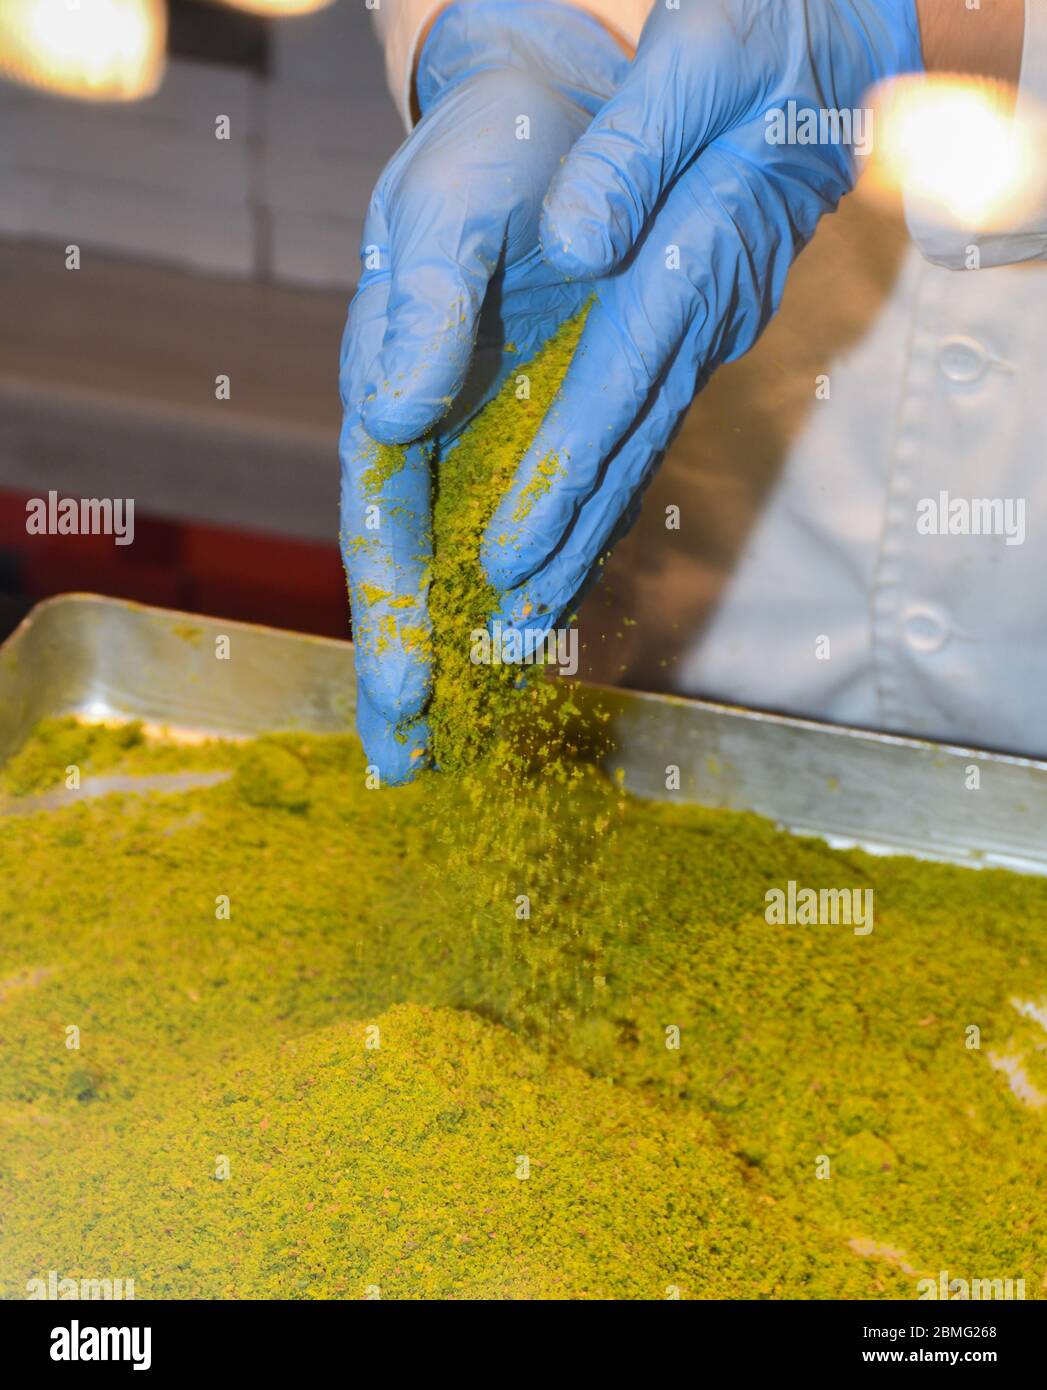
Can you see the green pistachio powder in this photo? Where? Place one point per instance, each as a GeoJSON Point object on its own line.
{"type": "Point", "coordinates": [379, 1077]}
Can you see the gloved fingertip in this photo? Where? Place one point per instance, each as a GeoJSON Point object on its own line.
{"type": "Point", "coordinates": [401, 762]}
{"type": "Point", "coordinates": [397, 689]}
{"type": "Point", "coordinates": [398, 421]}
{"type": "Point", "coordinates": [584, 252]}
{"type": "Point", "coordinates": [516, 615]}
{"type": "Point", "coordinates": [508, 554]}
{"type": "Point", "coordinates": [577, 236]}
{"type": "Point", "coordinates": [501, 567]}
{"type": "Point", "coordinates": [394, 754]}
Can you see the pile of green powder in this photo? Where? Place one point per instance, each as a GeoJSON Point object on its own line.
{"type": "Point", "coordinates": [302, 1071]}
{"type": "Point", "coordinates": [503, 1033]}
{"type": "Point", "coordinates": [476, 709]}
{"type": "Point", "coordinates": [476, 706]}
{"type": "Point", "coordinates": [516, 800]}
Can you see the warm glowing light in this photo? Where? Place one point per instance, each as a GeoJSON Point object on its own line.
{"type": "Point", "coordinates": [105, 50]}
{"type": "Point", "coordinates": [954, 145]}
{"type": "Point", "coordinates": [277, 7]}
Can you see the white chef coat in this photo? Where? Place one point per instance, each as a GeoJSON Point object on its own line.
{"type": "Point", "coordinates": [798, 580]}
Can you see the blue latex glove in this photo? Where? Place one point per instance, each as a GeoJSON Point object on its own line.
{"type": "Point", "coordinates": [692, 216]}
{"type": "Point", "coordinates": [454, 294]}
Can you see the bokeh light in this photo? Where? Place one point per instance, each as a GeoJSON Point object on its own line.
{"type": "Point", "coordinates": [957, 147]}
{"type": "Point", "coordinates": [102, 50]}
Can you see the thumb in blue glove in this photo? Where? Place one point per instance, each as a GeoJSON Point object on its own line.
{"type": "Point", "coordinates": [692, 215]}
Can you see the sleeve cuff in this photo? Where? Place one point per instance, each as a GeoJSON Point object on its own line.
{"type": "Point", "coordinates": [401, 23]}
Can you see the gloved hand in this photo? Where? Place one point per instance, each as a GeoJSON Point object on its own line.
{"type": "Point", "coordinates": [680, 199]}
{"type": "Point", "coordinates": [454, 293]}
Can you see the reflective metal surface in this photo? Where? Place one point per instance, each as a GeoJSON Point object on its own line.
{"type": "Point", "coordinates": [103, 658]}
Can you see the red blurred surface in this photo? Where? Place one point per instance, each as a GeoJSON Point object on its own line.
{"type": "Point", "coordinates": [188, 565]}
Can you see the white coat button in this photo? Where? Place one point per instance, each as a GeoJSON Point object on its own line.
{"type": "Point", "coordinates": [924, 627]}
{"type": "Point", "coordinates": [962, 359]}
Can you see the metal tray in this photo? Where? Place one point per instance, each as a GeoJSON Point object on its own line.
{"type": "Point", "coordinates": [104, 659]}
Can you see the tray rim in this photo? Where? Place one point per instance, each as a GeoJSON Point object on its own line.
{"type": "Point", "coordinates": [799, 723]}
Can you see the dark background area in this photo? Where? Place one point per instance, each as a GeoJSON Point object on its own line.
{"type": "Point", "coordinates": [198, 257]}
{"type": "Point", "coordinates": [207, 33]}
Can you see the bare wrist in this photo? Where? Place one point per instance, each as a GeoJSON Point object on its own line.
{"type": "Point", "coordinates": [983, 42]}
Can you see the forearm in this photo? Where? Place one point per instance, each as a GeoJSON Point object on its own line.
{"type": "Point", "coordinates": [982, 42]}
{"type": "Point", "coordinates": [985, 41]}
{"type": "Point", "coordinates": [622, 13]}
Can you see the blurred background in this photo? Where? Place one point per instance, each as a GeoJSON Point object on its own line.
{"type": "Point", "coordinates": [198, 257]}
{"type": "Point", "coordinates": [201, 257]}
